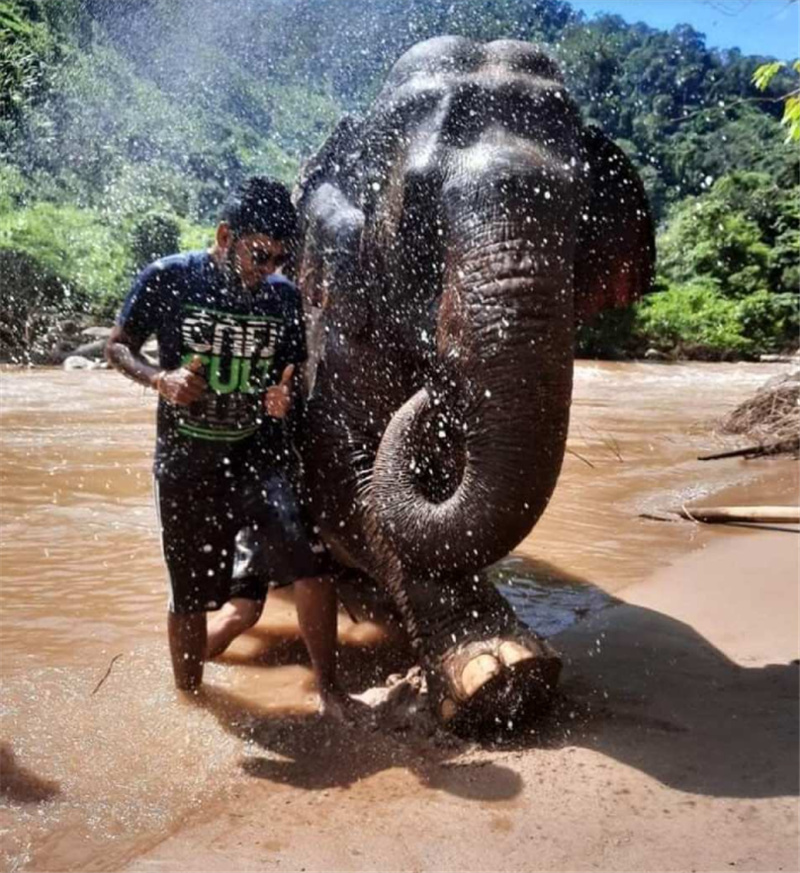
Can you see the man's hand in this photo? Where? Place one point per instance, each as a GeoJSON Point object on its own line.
{"type": "Point", "coordinates": [278, 399]}
{"type": "Point", "coordinates": [182, 386]}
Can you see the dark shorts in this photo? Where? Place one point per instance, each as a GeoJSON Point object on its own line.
{"type": "Point", "coordinates": [233, 537]}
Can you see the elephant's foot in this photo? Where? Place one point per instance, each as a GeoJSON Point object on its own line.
{"type": "Point", "coordinates": [485, 684]}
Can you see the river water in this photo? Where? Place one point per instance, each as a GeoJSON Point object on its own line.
{"type": "Point", "coordinates": [94, 776]}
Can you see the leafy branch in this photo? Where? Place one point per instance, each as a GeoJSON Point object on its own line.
{"type": "Point", "coordinates": [791, 108]}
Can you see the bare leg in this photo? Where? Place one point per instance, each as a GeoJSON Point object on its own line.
{"type": "Point", "coordinates": [187, 646]}
{"type": "Point", "coordinates": [315, 598]}
{"type": "Point", "coordinates": [235, 617]}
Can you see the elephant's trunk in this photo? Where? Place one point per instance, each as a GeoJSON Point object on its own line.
{"type": "Point", "coordinates": [466, 467]}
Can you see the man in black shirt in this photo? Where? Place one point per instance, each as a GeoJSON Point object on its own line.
{"type": "Point", "coordinates": [231, 334]}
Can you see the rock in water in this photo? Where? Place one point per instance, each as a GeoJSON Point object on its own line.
{"type": "Point", "coordinates": [96, 333]}
{"type": "Point", "coordinates": [78, 362]}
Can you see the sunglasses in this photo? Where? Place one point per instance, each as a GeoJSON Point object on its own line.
{"type": "Point", "coordinates": [262, 258]}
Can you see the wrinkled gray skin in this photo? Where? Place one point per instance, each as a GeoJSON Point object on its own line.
{"type": "Point", "coordinates": [450, 240]}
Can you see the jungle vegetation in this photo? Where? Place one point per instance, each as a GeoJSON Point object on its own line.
{"type": "Point", "coordinates": [122, 127]}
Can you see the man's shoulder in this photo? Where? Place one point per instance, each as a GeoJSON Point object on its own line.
{"type": "Point", "coordinates": [175, 266]}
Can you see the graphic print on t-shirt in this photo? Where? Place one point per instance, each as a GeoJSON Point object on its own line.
{"type": "Point", "coordinates": [237, 353]}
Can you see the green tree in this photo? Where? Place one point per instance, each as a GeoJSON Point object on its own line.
{"type": "Point", "coordinates": [153, 237]}
{"type": "Point", "coordinates": [728, 236]}
{"type": "Point", "coordinates": [27, 54]}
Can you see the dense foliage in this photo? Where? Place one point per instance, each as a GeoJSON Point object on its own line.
{"type": "Point", "coordinates": [122, 127]}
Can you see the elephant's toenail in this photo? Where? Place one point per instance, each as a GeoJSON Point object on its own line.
{"type": "Point", "coordinates": [512, 653]}
{"type": "Point", "coordinates": [478, 672]}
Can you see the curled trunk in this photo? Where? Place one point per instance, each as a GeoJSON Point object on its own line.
{"type": "Point", "coordinates": [468, 464]}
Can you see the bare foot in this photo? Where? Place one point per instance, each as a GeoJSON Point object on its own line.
{"type": "Point", "coordinates": [190, 696]}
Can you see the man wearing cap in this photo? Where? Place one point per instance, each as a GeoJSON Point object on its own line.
{"type": "Point", "coordinates": [230, 334]}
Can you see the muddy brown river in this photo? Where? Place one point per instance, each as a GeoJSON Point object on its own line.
{"type": "Point", "coordinates": [95, 776]}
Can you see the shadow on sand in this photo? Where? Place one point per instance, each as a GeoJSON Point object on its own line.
{"type": "Point", "coordinates": [21, 785]}
{"type": "Point", "coordinates": [312, 753]}
{"type": "Point", "coordinates": [638, 686]}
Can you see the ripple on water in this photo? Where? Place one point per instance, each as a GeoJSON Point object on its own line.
{"type": "Point", "coordinates": [127, 764]}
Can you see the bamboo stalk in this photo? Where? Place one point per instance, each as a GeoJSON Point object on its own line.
{"type": "Point", "coordinates": [757, 514]}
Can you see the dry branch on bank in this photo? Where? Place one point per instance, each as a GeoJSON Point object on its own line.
{"type": "Point", "coordinates": [777, 448]}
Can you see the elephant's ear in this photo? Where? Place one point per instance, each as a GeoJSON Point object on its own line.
{"type": "Point", "coordinates": [331, 224]}
{"type": "Point", "coordinates": [615, 254]}
{"type": "Point", "coordinates": [329, 271]}
{"type": "Point", "coordinates": [332, 161]}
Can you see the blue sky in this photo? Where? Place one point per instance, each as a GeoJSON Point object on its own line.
{"type": "Point", "coordinates": [757, 27]}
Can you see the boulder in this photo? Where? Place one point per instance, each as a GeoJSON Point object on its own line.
{"type": "Point", "coordinates": [94, 349]}
{"type": "Point", "coordinates": [150, 352]}
{"type": "Point", "coordinates": [78, 362]}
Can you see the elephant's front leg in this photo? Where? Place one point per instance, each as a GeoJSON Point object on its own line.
{"type": "Point", "coordinates": [484, 666]}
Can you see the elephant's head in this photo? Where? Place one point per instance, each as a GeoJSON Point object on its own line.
{"type": "Point", "coordinates": [482, 219]}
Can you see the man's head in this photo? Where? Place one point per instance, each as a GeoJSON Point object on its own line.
{"type": "Point", "coordinates": [257, 230]}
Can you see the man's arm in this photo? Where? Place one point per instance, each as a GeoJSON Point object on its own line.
{"type": "Point", "coordinates": [124, 353]}
{"type": "Point", "coordinates": [182, 386]}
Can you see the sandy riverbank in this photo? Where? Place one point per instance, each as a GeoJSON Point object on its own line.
{"type": "Point", "coordinates": [676, 749]}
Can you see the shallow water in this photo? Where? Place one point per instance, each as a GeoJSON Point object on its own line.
{"type": "Point", "coordinates": [96, 775]}
{"type": "Point", "coordinates": [636, 431]}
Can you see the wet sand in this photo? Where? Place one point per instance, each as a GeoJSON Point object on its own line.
{"type": "Point", "coordinates": [675, 749]}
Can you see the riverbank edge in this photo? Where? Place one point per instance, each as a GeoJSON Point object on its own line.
{"type": "Point", "coordinates": [651, 356]}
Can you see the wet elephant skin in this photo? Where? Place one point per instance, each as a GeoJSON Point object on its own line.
{"type": "Point", "coordinates": [452, 238]}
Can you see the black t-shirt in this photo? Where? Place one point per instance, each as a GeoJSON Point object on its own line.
{"type": "Point", "coordinates": [245, 340]}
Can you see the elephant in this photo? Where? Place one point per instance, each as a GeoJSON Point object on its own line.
{"type": "Point", "coordinates": [450, 240]}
